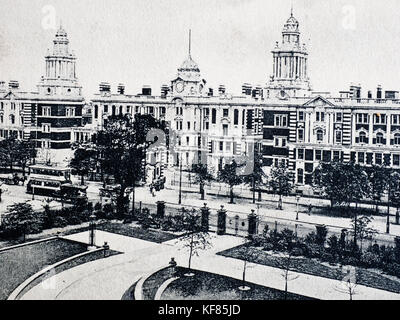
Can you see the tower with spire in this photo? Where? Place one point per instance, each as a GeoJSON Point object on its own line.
{"type": "Point", "coordinates": [188, 81]}
{"type": "Point", "coordinates": [289, 74]}
{"type": "Point", "coordinates": [60, 75]}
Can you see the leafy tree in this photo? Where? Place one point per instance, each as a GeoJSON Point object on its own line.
{"type": "Point", "coordinates": [83, 161]}
{"type": "Point", "coordinates": [202, 175]}
{"type": "Point", "coordinates": [26, 153]}
{"type": "Point", "coordinates": [343, 183]}
{"type": "Point", "coordinates": [257, 177]}
{"type": "Point", "coordinates": [281, 182]}
{"type": "Point", "coordinates": [20, 219]}
{"type": "Point", "coordinates": [122, 147]}
{"type": "Point", "coordinates": [195, 238]}
{"type": "Point", "coordinates": [229, 175]}
{"type": "Point", "coordinates": [9, 151]}
{"type": "Point", "coordinates": [361, 230]}
{"type": "Point", "coordinates": [378, 180]}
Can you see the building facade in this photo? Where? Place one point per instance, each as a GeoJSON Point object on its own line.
{"type": "Point", "coordinates": [284, 120]}
{"type": "Point", "coordinates": [48, 115]}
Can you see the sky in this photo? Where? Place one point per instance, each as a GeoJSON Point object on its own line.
{"type": "Point", "coordinates": [143, 42]}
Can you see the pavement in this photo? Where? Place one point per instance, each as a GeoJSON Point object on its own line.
{"type": "Point", "coordinates": [109, 278]}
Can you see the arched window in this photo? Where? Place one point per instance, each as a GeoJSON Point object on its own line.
{"type": "Point", "coordinates": [397, 139]}
{"type": "Point", "coordinates": [12, 119]}
{"type": "Point", "coordinates": [363, 137]}
{"type": "Point", "coordinates": [120, 110]}
{"type": "Point", "coordinates": [379, 138]}
{"type": "Point", "coordinates": [320, 135]}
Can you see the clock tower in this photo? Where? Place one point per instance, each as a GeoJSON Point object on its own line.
{"type": "Point", "coordinates": [188, 81]}
{"type": "Point", "coordinates": [290, 74]}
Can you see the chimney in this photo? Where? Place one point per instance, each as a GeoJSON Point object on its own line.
{"type": "Point", "coordinates": [355, 91]}
{"type": "Point", "coordinates": [246, 89]}
{"type": "Point", "coordinates": [2, 85]}
{"type": "Point", "coordinates": [369, 94]}
{"type": "Point", "coordinates": [379, 92]}
{"type": "Point", "coordinates": [104, 88]}
{"type": "Point", "coordinates": [13, 85]}
{"type": "Point", "coordinates": [121, 89]}
{"type": "Point", "coordinates": [221, 89]}
{"type": "Point", "coordinates": [210, 92]}
{"type": "Point", "coordinates": [146, 90]}
{"type": "Point", "coordinates": [164, 91]}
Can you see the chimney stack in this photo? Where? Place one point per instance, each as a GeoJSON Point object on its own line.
{"type": "Point", "coordinates": [121, 89]}
{"type": "Point", "coordinates": [104, 88]}
{"type": "Point", "coordinates": [13, 85]}
{"type": "Point", "coordinates": [146, 90]}
{"type": "Point", "coordinates": [246, 89]}
{"type": "Point", "coordinates": [379, 92]}
{"type": "Point", "coordinates": [210, 92]}
{"type": "Point", "coordinates": [221, 89]}
{"type": "Point", "coordinates": [164, 91]}
{"type": "Point", "coordinates": [2, 86]}
{"type": "Point", "coordinates": [369, 94]}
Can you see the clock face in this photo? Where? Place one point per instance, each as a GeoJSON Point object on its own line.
{"type": "Point", "coordinates": [180, 87]}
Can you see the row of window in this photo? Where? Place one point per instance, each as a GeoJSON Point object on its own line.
{"type": "Point", "coordinates": [375, 158]}
{"type": "Point", "coordinates": [380, 139]}
{"type": "Point", "coordinates": [320, 135]}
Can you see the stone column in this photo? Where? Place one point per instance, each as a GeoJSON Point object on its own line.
{"type": "Point", "coordinates": [205, 217]}
{"type": "Point", "coordinates": [221, 226]}
{"type": "Point", "coordinates": [252, 220]}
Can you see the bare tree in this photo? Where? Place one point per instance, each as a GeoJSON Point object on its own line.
{"type": "Point", "coordinates": [286, 264]}
{"type": "Point", "coordinates": [348, 284]}
{"type": "Point", "coordinates": [248, 254]}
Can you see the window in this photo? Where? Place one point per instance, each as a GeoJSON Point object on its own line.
{"type": "Point", "coordinates": [214, 116]}
{"type": "Point", "coordinates": [338, 136]}
{"type": "Point", "coordinates": [70, 112]}
{"type": "Point", "coordinates": [362, 118]}
{"type": "Point", "coordinates": [221, 146]}
{"type": "Point", "coordinates": [363, 137]}
{"type": "Point", "coordinates": [379, 138]}
{"type": "Point", "coordinates": [378, 158]}
{"type": "Point", "coordinates": [300, 173]}
{"type": "Point", "coordinates": [301, 115]}
{"type": "Point", "coordinates": [162, 110]}
{"type": "Point", "coordinates": [225, 129]}
{"type": "Point", "coordinates": [226, 112]}
{"type": "Point", "coordinates": [188, 125]}
{"type": "Point", "coordinates": [379, 118]}
{"type": "Point", "coordinates": [179, 125]}
{"type": "Point", "coordinates": [179, 111]}
{"type": "Point", "coordinates": [281, 120]}
{"type": "Point", "coordinates": [207, 112]}
{"type": "Point", "coordinates": [300, 154]}
{"type": "Point", "coordinates": [151, 110]}
{"type": "Point", "coordinates": [46, 111]}
{"type": "Point", "coordinates": [236, 117]}
{"type": "Point", "coordinates": [96, 111]}
{"type": "Point", "coordinates": [187, 141]}
{"type": "Point", "coordinates": [396, 119]}
{"type": "Point", "coordinates": [339, 117]}
{"type": "Point", "coordinates": [228, 146]}
{"type": "Point", "coordinates": [12, 119]}
{"type": "Point", "coordinates": [336, 155]}
{"type": "Point", "coordinates": [361, 157]}
{"type": "Point", "coordinates": [300, 134]}
{"type": "Point", "coordinates": [320, 135]}
{"type": "Point", "coordinates": [46, 127]}
{"type": "Point", "coordinates": [320, 116]}
{"type": "Point", "coordinates": [283, 142]}
{"type": "Point", "coordinates": [106, 109]}
{"type": "Point", "coordinates": [396, 160]}
{"type": "Point", "coordinates": [207, 125]}
{"type": "Point", "coordinates": [318, 155]}
{"type": "Point", "coordinates": [396, 139]}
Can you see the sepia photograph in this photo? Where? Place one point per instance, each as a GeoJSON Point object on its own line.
{"type": "Point", "coordinates": [221, 151]}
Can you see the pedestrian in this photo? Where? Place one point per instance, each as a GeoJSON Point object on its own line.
{"type": "Point", "coordinates": [309, 208]}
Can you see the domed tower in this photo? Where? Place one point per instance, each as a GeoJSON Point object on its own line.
{"type": "Point", "coordinates": [60, 76]}
{"type": "Point", "coordinates": [188, 81]}
{"type": "Point", "coordinates": [289, 75]}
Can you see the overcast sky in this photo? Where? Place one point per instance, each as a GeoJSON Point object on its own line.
{"type": "Point", "coordinates": [139, 42]}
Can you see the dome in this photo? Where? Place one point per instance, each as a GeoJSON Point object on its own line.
{"type": "Point", "coordinates": [189, 65]}
{"type": "Point", "coordinates": [291, 24]}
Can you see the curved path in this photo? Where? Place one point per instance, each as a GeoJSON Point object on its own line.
{"type": "Point", "coordinates": [109, 278]}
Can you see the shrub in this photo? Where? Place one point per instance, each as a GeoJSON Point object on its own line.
{"type": "Point", "coordinates": [310, 238]}
{"type": "Point", "coordinates": [60, 222]}
{"type": "Point", "coordinates": [392, 269]}
{"type": "Point", "coordinates": [371, 260]}
{"type": "Point", "coordinates": [320, 236]}
{"type": "Point", "coordinates": [297, 252]}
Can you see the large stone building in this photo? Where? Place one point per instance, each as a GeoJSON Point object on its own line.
{"type": "Point", "coordinates": [48, 115]}
{"type": "Point", "coordinates": [285, 119]}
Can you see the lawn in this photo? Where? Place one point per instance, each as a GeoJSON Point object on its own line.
{"type": "Point", "coordinates": [17, 265]}
{"type": "Point", "coordinates": [368, 277]}
{"type": "Point", "coordinates": [209, 286]}
{"type": "Point", "coordinates": [134, 231]}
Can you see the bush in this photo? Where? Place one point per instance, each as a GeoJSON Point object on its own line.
{"type": "Point", "coordinates": [370, 260]}
{"type": "Point", "coordinates": [320, 236]}
{"type": "Point", "coordinates": [297, 252]}
{"type": "Point", "coordinates": [392, 269]}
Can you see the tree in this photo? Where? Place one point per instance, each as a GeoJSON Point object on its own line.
{"type": "Point", "coordinates": [361, 230]}
{"type": "Point", "coordinates": [281, 182]}
{"type": "Point", "coordinates": [122, 147]}
{"type": "Point", "coordinates": [228, 174]}
{"type": "Point", "coordinates": [195, 238]}
{"type": "Point", "coordinates": [9, 151]}
{"type": "Point", "coordinates": [20, 219]}
{"type": "Point", "coordinates": [349, 283]}
{"type": "Point", "coordinates": [248, 254]}
{"type": "Point", "coordinates": [26, 153]}
{"type": "Point", "coordinates": [202, 175]}
{"type": "Point", "coordinates": [257, 177]}
{"type": "Point", "coordinates": [83, 161]}
{"type": "Point", "coordinates": [378, 180]}
{"type": "Point", "coordinates": [286, 264]}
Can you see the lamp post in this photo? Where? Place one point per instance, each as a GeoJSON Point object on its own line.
{"type": "Point", "coordinates": [297, 207]}
{"type": "Point", "coordinates": [92, 228]}
{"type": "Point", "coordinates": [180, 179]}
